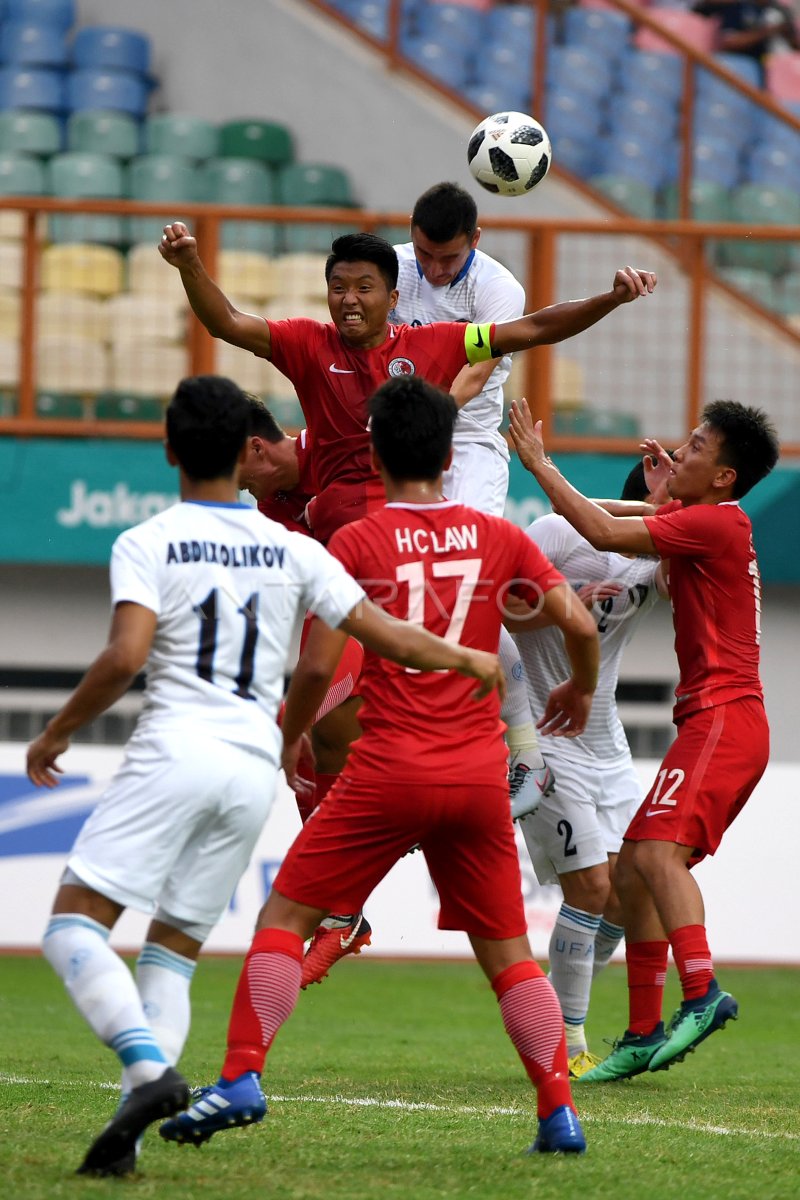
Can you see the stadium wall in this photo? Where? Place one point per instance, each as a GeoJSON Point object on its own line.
{"type": "Point", "coordinates": [748, 917]}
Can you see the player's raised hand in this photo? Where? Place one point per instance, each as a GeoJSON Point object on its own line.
{"type": "Point", "coordinates": [566, 712]}
{"type": "Point", "coordinates": [41, 760]}
{"type": "Point", "coordinates": [630, 283]}
{"type": "Point", "coordinates": [657, 468]}
{"type": "Point", "coordinates": [487, 670]}
{"type": "Point", "coordinates": [527, 436]}
{"type": "Point", "coordinates": [177, 246]}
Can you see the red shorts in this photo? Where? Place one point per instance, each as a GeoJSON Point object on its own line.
{"type": "Point", "coordinates": [706, 777]}
{"type": "Point", "coordinates": [364, 825]}
{"type": "Point", "coordinates": [346, 675]}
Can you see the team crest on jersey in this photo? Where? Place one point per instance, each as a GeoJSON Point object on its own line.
{"type": "Point", "coordinates": [401, 366]}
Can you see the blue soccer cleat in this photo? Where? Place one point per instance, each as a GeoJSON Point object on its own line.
{"type": "Point", "coordinates": [560, 1133]}
{"type": "Point", "coordinates": [224, 1105]}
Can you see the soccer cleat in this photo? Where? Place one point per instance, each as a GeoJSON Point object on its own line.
{"type": "Point", "coordinates": [560, 1133]}
{"type": "Point", "coordinates": [528, 785]}
{"type": "Point", "coordinates": [114, 1151]}
{"type": "Point", "coordinates": [224, 1105]}
{"type": "Point", "coordinates": [582, 1062]}
{"type": "Point", "coordinates": [692, 1024]}
{"type": "Point", "coordinates": [630, 1056]}
{"type": "Point", "coordinates": [331, 942]}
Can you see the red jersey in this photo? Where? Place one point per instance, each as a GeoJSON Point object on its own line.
{"type": "Point", "coordinates": [715, 589]}
{"type": "Point", "coordinates": [447, 566]}
{"type": "Point", "coordinates": [334, 382]}
{"type": "Point", "coordinates": [288, 508]}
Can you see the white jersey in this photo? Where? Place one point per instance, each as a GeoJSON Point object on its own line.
{"type": "Point", "coordinates": [543, 653]}
{"type": "Point", "coordinates": [483, 291]}
{"type": "Point", "coordinates": [226, 584]}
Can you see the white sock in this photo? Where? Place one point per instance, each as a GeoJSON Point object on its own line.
{"type": "Point", "coordinates": [163, 979]}
{"type": "Point", "coordinates": [571, 960]}
{"type": "Point", "coordinates": [104, 992]}
{"type": "Point", "coordinates": [608, 938]}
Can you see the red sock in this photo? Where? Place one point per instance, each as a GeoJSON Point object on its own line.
{"type": "Point", "coordinates": [647, 974]}
{"type": "Point", "coordinates": [533, 1021]}
{"type": "Point", "coordinates": [693, 959]}
{"type": "Point", "coordinates": [265, 996]}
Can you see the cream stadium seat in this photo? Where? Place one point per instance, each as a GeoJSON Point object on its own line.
{"type": "Point", "coordinates": [143, 367]}
{"type": "Point", "coordinates": [297, 306]}
{"type": "Point", "coordinates": [147, 272]}
{"type": "Point", "coordinates": [11, 264]}
{"type": "Point", "coordinates": [247, 274]}
{"type": "Point", "coordinates": [252, 374]}
{"type": "Point", "coordinates": [141, 315]}
{"type": "Point", "coordinates": [9, 313]}
{"type": "Point", "coordinates": [569, 386]}
{"type": "Point", "coordinates": [9, 362]}
{"type": "Point", "coordinates": [301, 275]}
{"type": "Point", "coordinates": [96, 270]}
{"type": "Point", "coordinates": [66, 314]}
{"type": "Point", "coordinates": [65, 363]}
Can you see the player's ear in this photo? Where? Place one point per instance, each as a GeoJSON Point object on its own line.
{"type": "Point", "coordinates": [448, 462]}
{"type": "Point", "coordinates": [172, 458]}
{"type": "Point", "coordinates": [726, 477]}
{"type": "Point", "coordinates": [476, 237]}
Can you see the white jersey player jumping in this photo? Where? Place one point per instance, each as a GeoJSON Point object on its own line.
{"type": "Point", "coordinates": [443, 276]}
{"type": "Point", "coordinates": [206, 596]}
{"type": "Point", "coordinates": [575, 834]}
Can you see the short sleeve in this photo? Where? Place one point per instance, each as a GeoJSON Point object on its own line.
{"type": "Point", "coordinates": [534, 573]}
{"type": "Point", "coordinates": [330, 593]}
{"type": "Point", "coordinates": [695, 532]}
{"type": "Point", "coordinates": [498, 300]}
{"type": "Point", "coordinates": [553, 535]}
{"type": "Point", "coordinates": [134, 572]}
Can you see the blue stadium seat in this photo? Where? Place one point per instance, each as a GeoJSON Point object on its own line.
{"type": "Point", "coordinates": [446, 63]}
{"type": "Point", "coordinates": [91, 87]}
{"type": "Point", "coordinates": [741, 65]}
{"type": "Point", "coordinates": [109, 46]}
{"type": "Point", "coordinates": [777, 133]}
{"type": "Point", "coordinates": [564, 121]}
{"type": "Point", "coordinates": [718, 118]}
{"type": "Point", "coordinates": [710, 89]}
{"type": "Point", "coordinates": [583, 156]}
{"type": "Point", "coordinates": [32, 87]}
{"type": "Point", "coordinates": [773, 165]}
{"type": "Point", "coordinates": [647, 72]}
{"type": "Point", "coordinates": [654, 116]}
{"type": "Point", "coordinates": [636, 157]}
{"type": "Point", "coordinates": [372, 16]}
{"type": "Point", "coordinates": [716, 160]}
{"type": "Point", "coordinates": [578, 67]}
{"type": "Point", "coordinates": [452, 23]}
{"type": "Point", "coordinates": [595, 27]}
{"type": "Point", "coordinates": [515, 25]}
{"type": "Point", "coordinates": [32, 45]}
{"type": "Point", "coordinates": [499, 97]}
{"type": "Point", "coordinates": [501, 66]}
{"type": "Point", "coordinates": [60, 13]}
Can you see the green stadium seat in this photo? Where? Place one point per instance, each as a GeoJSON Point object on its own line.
{"type": "Point", "coordinates": [157, 177]}
{"type": "Point", "coordinates": [631, 194]}
{"type": "Point", "coordinates": [756, 204]}
{"type": "Point", "coordinates": [708, 201]}
{"type": "Point", "coordinates": [79, 175]}
{"type": "Point", "coordinates": [759, 285]}
{"type": "Point", "coordinates": [787, 297]}
{"type": "Point", "coordinates": [315, 183]}
{"type": "Point", "coordinates": [60, 405]}
{"type": "Point", "coordinates": [29, 132]}
{"type": "Point", "coordinates": [121, 406]}
{"type": "Point", "coordinates": [181, 135]}
{"type": "Point", "coordinates": [591, 422]}
{"type": "Point", "coordinates": [21, 175]}
{"type": "Point", "coordinates": [265, 140]}
{"type": "Point", "coordinates": [243, 181]}
{"type": "Point", "coordinates": [8, 402]}
{"type": "Point", "coordinates": [287, 411]}
{"type": "Point", "coordinates": [101, 131]}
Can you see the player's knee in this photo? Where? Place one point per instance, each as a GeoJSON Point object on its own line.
{"type": "Point", "coordinates": [587, 889]}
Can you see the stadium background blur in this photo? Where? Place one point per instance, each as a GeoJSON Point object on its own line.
{"type": "Point", "coordinates": [392, 129]}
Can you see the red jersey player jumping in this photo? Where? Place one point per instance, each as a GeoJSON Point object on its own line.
{"type": "Point", "coordinates": [408, 778]}
{"type": "Point", "coordinates": [722, 745]}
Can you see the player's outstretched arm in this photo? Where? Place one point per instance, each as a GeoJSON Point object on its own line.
{"type": "Point", "coordinates": [209, 303]}
{"type": "Point", "coordinates": [109, 677]}
{"type": "Point", "coordinates": [413, 646]}
{"type": "Point", "coordinates": [568, 705]}
{"type": "Point", "coordinates": [561, 321]}
{"type": "Point", "coordinates": [604, 532]}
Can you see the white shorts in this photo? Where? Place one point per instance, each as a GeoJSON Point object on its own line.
{"type": "Point", "coordinates": [176, 827]}
{"type": "Point", "coordinates": [583, 820]}
{"type": "Point", "coordinates": [478, 477]}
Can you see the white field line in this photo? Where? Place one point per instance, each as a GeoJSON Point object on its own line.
{"type": "Point", "coordinates": [489, 1110]}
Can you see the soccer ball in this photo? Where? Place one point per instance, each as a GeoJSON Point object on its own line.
{"type": "Point", "coordinates": [509, 153]}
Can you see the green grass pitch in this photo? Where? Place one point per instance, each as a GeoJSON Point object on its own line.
{"type": "Point", "coordinates": [397, 1080]}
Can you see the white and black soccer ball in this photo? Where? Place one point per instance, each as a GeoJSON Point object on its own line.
{"type": "Point", "coordinates": [509, 153]}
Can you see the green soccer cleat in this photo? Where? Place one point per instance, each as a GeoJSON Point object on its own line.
{"type": "Point", "coordinates": [630, 1056]}
{"type": "Point", "coordinates": [694, 1021]}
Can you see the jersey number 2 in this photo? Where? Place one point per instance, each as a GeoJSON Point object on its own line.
{"type": "Point", "coordinates": [208, 613]}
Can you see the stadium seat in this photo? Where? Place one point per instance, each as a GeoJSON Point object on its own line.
{"type": "Point", "coordinates": [122, 406]}
{"type": "Point", "coordinates": [136, 315]}
{"type": "Point", "coordinates": [578, 67]}
{"type": "Point", "coordinates": [708, 201]}
{"type": "Point", "coordinates": [156, 177]}
{"type": "Point", "coordinates": [21, 175]}
{"type": "Point", "coordinates": [568, 382]}
{"type": "Point", "coordinates": [710, 87]}
{"type": "Point", "coordinates": [10, 313]}
{"type": "Point", "coordinates": [149, 274]}
{"type": "Point", "coordinates": [647, 73]}
{"type": "Point", "coordinates": [716, 160]}
{"type": "Point", "coordinates": [787, 298]}
{"type": "Point", "coordinates": [61, 13]}
{"type": "Point", "coordinates": [776, 132]}
{"type": "Point", "coordinates": [773, 166]}
{"type": "Point", "coordinates": [9, 363]}
{"type": "Point", "coordinates": [449, 64]}
{"type": "Point", "coordinates": [95, 270]}
{"type": "Point", "coordinates": [26, 44]}
{"type": "Point", "coordinates": [265, 140]}
{"type": "Point", "coordinates": [103, 132]}
{"type": "Point", "coordinates": [583, 156]}
{"type": "Point", "coordinates": [243, 181]}
{"type": "Point", "coordinates": [109, 46]}
{"type": "Point", "coordinates": [783, 76]}
{"type": "Point", "coordinates": [635, 157]}
{"type": "Point", "coordinates": [758, 285]}
{"type": "Point", "coordinates": [756, 205]}
{"type": "Point", "coordinates": [70, 364]}
{"type": "Point", "coordinates": [502, 66]}
{"type": "Point", "coordinates": [67, 315]}
{"type": "Point", "coordinates": [452, 24]}
{"type": "Point", "coordinates": [248, 274]}
{"type": "Point", "coordinates": [722, 119]}
{"type": "Point", "coordinates": [142, 367]}
{"type": "Point", "coordinates": [32, 88]}
{"type": "Point", "coordinates": [303, 275]}
{"type": "Point", "coordinates": [29, 132]}
{"type": "Point", "coordinates": [182, 135]}
{"type": "Point", "coordinates": [608, 31]}
{"type": "Point", "coordinates": [315, 183]}
{"type": "Point", "coordinates": [498, 97]}
{"type": "Point", "coordinates": [567, 114]}
{"type": "Point", "coordinates": [94, 87]}
{"type": "Point", "coordinates": [11, 264]}
{"type": "Point", "coordinates": [631, 194]}
{"type": "Point", "coordinates": [372, 16]}
{"type": "Point", "coordinates": [96, 176]}
{"type": "Point", "coordinates": [652, 116]}
{"type": "Point", "coordinates": [54, 405]}
{"type": "Point", "coordinates": [699, 32]}
{"type": "Point", "coordinates": [595, 422]}
{"type": "Point", "coordinates": [250, 372]}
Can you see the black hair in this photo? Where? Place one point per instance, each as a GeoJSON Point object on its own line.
{"type": "Point", "coordinates": [262, 422]}
{"type": "Point", "coordinates": [748, 442]}
{"type": "Point", "coordinates": [634, 487]}
{"type": "Point", "coordinates": [208, 420]}
{"type": "Point", "coordinates": [411, 422]}
{"type": "Point", "coordinates": [444, 211]}
{"type": "Point", "coordinates": [364, 247]}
